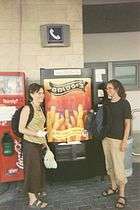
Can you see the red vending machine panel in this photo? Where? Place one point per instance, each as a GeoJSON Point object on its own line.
{"type": "Point", "coordinates": [12, 96]}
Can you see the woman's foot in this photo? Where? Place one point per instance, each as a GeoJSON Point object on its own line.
{"type": "Point", "coordinates": [38, 204]}
{"type": "Point", "coordinates": [35, 202]}
{"type": "Point", "coordinates": [109, 191]}
{"type": "Point", "coordinates": [121, 202]}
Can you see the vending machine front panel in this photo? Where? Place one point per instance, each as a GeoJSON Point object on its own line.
{"type": "Point", "coordinates": [12, 97]}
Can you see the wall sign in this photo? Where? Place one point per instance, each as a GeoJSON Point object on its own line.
{"type": "Point", "coordinates": [55, 35]}
{"type": "Point", "coordinates": [63, 72]}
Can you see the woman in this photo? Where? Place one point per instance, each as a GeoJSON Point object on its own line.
{"type": "Point", "coordinates": [118, 117]}
{"type": "Point", "coordinates": [34, 141]}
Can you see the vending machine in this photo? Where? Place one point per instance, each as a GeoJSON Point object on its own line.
{"type": "Point", "coordinates": [68, 100]}
{"type": "Point", "coordinates": [12, 96]}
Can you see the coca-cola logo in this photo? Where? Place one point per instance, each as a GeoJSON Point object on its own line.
{"type": "Point", "coordinates": [18, 150]}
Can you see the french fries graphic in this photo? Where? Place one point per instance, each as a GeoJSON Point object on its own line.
{"type": "Point", "coordinates": [66, 127]}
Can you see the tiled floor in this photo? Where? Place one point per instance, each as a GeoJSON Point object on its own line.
{"type": "Point", "coordinates": [82, 194]}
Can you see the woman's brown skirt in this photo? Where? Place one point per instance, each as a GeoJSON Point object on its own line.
{"type": "Point", "coordinates": [33, 167]}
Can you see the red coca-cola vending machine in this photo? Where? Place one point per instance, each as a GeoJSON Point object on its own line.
{"type": "Point", "coordinates": [12, 96]}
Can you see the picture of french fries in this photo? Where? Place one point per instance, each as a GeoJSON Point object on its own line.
{"type": "Point", "coordinates": [66, 122]}
{"type": "Point", "coordinates": [67, 103]}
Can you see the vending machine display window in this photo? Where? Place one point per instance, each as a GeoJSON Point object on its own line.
{"type": "Point", "coordinates": [11, 85]}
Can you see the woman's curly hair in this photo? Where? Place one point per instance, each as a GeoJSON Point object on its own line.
{"type": "Point", "coordinates": [119, 87]}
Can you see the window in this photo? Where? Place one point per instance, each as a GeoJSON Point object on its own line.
{"type": "Point", "coordinates": [127, 73]}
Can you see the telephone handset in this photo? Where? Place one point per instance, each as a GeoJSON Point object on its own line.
{"type": "Point", "coordinates": [57, 37]}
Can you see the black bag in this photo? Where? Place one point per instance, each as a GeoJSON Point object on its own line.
{"type": "Point", "coordinates": [89, 124]}
{"type": "Point", "coordinates": [16, 118]}
{"type": "Point", "coordinates": [96, 125]}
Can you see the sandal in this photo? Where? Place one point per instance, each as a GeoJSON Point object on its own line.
{"type": "Point", "coordinates": [121, 204]}
{"type": "Point", "coordinates": [38, 204]}
{"type": "Point", "coordinates": [109, 191]}
{"type": "Point", "coordinates": [42, 194]}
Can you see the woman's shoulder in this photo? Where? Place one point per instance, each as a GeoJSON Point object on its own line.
{"type": "Point", "coordinates": [126, 104]}
{"type": "Point", "coordinates": [26, 108]}
{"type": "Point", "coordinates": [125, 101]}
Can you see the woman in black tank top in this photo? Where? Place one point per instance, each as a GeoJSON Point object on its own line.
{"type": "Point", "coordinates": [118, 116]}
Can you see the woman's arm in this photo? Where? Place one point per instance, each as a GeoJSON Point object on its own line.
{"type": "Point", "coordinates": [127, 126]}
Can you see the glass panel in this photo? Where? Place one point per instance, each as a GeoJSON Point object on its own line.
{"type": "Point", "coordinates": [125, 70]}
{"type": "Point", "coordinates": [126, 74]}
{"type": "Point", "coordinates": [127, 80]}
{"type": "Point", "coordinates": [11, 85]}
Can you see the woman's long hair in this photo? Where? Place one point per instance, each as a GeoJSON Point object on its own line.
{"type": "Point", "coordinates": [34, 87]}
{"type": "Point", "coordinates": [119, 87]}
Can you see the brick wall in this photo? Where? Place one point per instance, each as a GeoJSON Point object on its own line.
{"type": "Point", "coordinates": [21, 49]}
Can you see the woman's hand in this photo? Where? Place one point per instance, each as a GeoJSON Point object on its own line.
{"type": "Point", "coordinates": [45, 145]}
{"type": "Point", "coordinates": [41, 133]}
{"type": "Point", "coordinates": [123, 145]}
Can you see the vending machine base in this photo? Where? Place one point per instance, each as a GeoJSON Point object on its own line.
{"type": "Point", "coordinates": [76, 162]}
{"type": "Point", "coordinates": [11, 160]}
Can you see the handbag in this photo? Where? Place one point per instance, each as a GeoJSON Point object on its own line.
{"type": "Point", "coordinates": [49, 160]}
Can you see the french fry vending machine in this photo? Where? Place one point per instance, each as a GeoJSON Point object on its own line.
{"type": "Point", "coordinates": [67, 101]}
{"type": "Point", "coordinates": [70, 94]}
{"type": "Point", "coordinates": [12, 96]}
